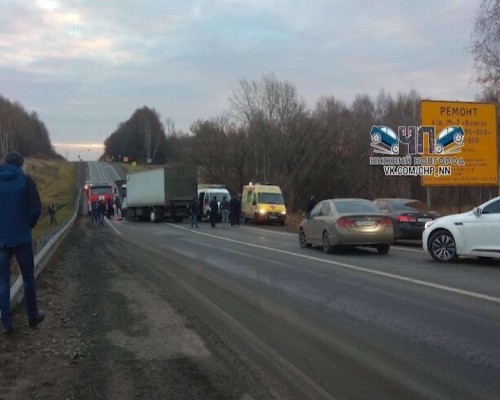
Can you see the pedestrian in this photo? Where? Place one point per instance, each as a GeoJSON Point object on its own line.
{"type": "Point", "coordinates": [235, 206]}
{"type": "Point", "coordinates": [224, 207]}
{"type": "Point", "coordinates": [193, 212]}
{"type": "Point", "coordinates": [214, 210]}
{"type": "Point", "coordinates": [93, 211]}
{"type": "Point", "coordinates": [101, 212]}
{"type": "Point", "coordinates": [110, 210]}
{"type": "Point", "coordinates": [118, 204]}
{"type": "Point", "coordinates": [310, 205]}
{"type": "Point", "coordinates": [20, 208]}
{"type": "Point", "coordinates": [52, 214]}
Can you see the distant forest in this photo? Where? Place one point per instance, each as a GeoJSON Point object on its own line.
{"type": "Point", "coordinates": [23, 131]}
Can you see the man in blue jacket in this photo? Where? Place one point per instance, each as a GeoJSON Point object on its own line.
{"type": "Point", "coordinates": [20, 209]}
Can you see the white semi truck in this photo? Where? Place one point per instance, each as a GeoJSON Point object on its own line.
{"type": "Point", "coordinates": [157, 194]}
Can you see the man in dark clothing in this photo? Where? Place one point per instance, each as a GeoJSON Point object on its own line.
{"type": "Point", "coordinates": [235, 206]}
{"type": "Point", "coordinates": [193, 212]}
{"type": "Point", "coordinates": [52, 213]}
{"type": "Point", "coordinates": [20, 208]}
{"type": "Point", "coordinates": [214, 210]}
{"type": "Point", "coordinates": [101, 212]}
{"type": "Point", "coordinates": [310, 205]}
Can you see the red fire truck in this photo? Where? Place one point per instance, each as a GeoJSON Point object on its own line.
{"type": "Point", "coordinates": [97, 192]}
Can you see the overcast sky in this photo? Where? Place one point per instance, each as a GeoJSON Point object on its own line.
{"type": "Point", "coordinates": [86, 65]}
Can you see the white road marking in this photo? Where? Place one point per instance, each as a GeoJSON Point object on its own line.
{"type": "Point", "coordinates": [353, 267]}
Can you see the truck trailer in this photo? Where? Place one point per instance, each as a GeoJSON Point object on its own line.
{"type": "Point", "coordinates": [157, 194]}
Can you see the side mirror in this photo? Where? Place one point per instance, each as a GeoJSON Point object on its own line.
{"type": "Point", "coordinates": [477, 211]}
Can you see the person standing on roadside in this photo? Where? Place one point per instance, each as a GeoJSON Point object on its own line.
{"type": "Point", "coordinates": [235, 206]}
{"type": "Point", "coordinates": [20, 208]}
{"type": "Point", "coordinates": [214, 210]}
{"type": "Point", "coordinates": [52, 214]}
{"type": "Point", "coordinates": [224, 207]}
{"type": "Point", "coordinates": [193, 212]}
{"type": "Point", "coordinates": [101, 213]}
{"type": "Point", "coordinates": [310, 205]}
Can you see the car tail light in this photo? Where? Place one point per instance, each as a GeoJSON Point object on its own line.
{"type": "Point", "coordinates": [344, 222]}
{"type": "Point", "coordinates": [385, 222]}
{"type": "Point", "coordinates": [406, 218]}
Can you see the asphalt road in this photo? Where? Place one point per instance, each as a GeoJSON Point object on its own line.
{"type": "Point", "coordinates": [356, 325]}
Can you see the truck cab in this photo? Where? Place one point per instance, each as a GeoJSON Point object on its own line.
{"type": "Point", "coordinates": [98, 192]}
{"type": "Point", "coordinates": [263, 203]}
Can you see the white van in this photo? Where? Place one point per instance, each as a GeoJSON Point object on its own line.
{"type": "Point", "coordinates": [206, 192]}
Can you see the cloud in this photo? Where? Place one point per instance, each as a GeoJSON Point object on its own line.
{"type": "Point", "coordinates": [86, 66]}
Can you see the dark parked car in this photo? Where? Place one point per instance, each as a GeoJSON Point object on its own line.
{"type": "Point", "coordinates": [408, 216]}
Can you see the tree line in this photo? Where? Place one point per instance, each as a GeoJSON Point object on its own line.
{"type": "Point", "coordinates": [269, 134]}
{"type": "Point", "coordinates": [23, 131]}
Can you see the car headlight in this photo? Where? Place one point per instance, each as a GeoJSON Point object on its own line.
{"type": "Point", "coordinates": [283, 212]}
{"type": "Point", "coordinates": [428, 224]}
{"type": "Point", "coordinates": [262, 211]}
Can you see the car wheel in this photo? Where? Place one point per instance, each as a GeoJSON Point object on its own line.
{"type": "Point", "coordinates": [383, 248]}
{"type": "Point", "coordinates": [327, 247]}
{"type": "Point", "coordinates": [442, 247]}
{"type": "Point", "coordinates": [302, 239]}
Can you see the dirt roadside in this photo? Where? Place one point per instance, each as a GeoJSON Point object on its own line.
{"type": "Point", "coordinates": [110, 334]}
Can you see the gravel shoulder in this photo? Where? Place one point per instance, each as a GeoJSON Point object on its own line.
{"type": "Point", "coordinates": [110, 333]}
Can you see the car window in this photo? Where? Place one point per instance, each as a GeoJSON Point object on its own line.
{"type": "Point", "coordinates": [325, 209]}
{"type": "Point", "coordinates": [353, 206]}
{"type": "Point", "coordinates": [492, 208]}
{"type": "Point", "coordinates": [383, 206]}
{"type": "Point", "coordinates": [271, 198]}
{"type": "Point", "coordinates": [409, 205]}
{"type": "Point", "coordinates": [315, 211]}
{"type": "Point", "coordinates": [219, 195]}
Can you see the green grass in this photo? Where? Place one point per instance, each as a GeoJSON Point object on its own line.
{"type": "Point", "coordinates": [55, 181]}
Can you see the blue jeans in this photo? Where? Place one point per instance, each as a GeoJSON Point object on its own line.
{"type": "Point", "coordinates": [24, 257]}
{"type": "Point", "coordinates": [194, 220]}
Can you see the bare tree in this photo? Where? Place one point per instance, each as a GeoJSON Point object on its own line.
{"type": "Point", "coordinates": [486, 43]}
{"type": "Point", "coordinates": [7, 136]}
{"type": "Point", "coordinates": [267, 109]}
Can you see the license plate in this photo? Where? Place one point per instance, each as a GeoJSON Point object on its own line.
{"type": "Point", "coordinates": [424, 219]}
{"type": "Point", "coordinates": [365, 223]}
{"type": "Point", "coordinates": [273, 217]}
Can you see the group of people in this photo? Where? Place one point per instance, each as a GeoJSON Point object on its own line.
{"type": "Point", "coordinates": [229, 209]}
{"type": "Point", "coordinates": [101, 209]}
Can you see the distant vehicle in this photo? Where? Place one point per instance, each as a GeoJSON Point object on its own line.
{"type": "Point", "coordinates": [159, 193]}
{"type": "Point", "coordinates": [474, 233]}
{"type": "Point", "coordinates": [384, 140]}
{"type": "Point", "coordinates": [338, 223]}
{"type": "Point", "coordinates": [97, 192]}
{"type": "Point", "coordinates": [450, 140]}
{"type": "Point", "coordinates": [263, 203]}
{"type": "Point", "coordinates": [408, 216]}
{"type": "Point", "coordinates": [206, 193]}
{"type": "Point", "coordinates": [86, 187]}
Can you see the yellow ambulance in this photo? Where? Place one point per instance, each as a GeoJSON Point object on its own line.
{"type": "Point", "coordinates": [263, 203]}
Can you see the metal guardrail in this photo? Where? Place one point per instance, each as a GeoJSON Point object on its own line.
{"type": "Point", "coordinates": [43, 256]}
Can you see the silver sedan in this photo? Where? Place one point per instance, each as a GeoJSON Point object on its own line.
{"type": "Point", "coordinates": [338, 223]}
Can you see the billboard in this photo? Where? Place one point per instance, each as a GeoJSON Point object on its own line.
{"type": "Point", "coordinates": [465, 132]}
